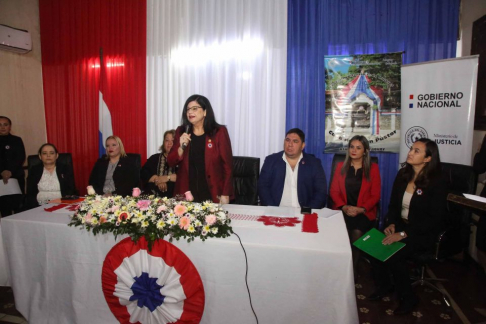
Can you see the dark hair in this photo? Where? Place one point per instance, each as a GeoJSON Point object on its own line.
{"type": "Point", "coordinates": [297, 131]}
{"type": "Point", "coordinates": [210, 125]}
{"type": "Point", "coordinates": [47, 144]}
{"type": "Point", "coordinates": [9, 121]}
{"type": "Point", "coordinates": [366, 156]}
{"type": "Point", "coordinates": [170, 131]}
{"type": "Point", "coordinates": [430, 170]}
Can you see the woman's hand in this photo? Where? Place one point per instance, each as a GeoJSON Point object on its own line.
{"type": "Point", "coordinates": [6, 175]}
{"type": "Point", "coordinates": [395, 237]}
{"type": "Point", "coordinates": [223, 200]}
{"type": "Point", "coordinates": [352, 210]}
{"type": "Point", "coordinates": [162, 186]}
{"type": "Point", "coordinates": [183, 141]}
{"type": "Point", "coordinates": [154, 178]}
{"type": "Point", "coordinates": [390, 230]}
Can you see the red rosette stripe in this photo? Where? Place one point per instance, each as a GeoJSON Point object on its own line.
{"type": "Point", "coordinates": [189, 277]}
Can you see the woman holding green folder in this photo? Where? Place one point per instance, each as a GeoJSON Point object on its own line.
{"type": "Point", "coordinates": [417, 205]}
{"type": "Point", "coordinates": [356, 189]}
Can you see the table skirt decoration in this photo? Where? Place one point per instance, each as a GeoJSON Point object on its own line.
{"type": "Point", "coordinates": [152, 287]}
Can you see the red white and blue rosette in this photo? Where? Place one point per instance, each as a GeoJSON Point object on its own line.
{"type": "Point", "coordinates": [160, 286]}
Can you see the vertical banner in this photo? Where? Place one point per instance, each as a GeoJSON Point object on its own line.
{"type": "Point", "coordinates": [363, 98]}
{"type": "Point", "coordinates": [439, 101]}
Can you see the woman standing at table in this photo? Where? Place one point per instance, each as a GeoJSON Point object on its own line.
{"type": "Point", "coordinates": [12, 157]}
{"type": "Point", "coordinates": [415, 217]}
{"type": "Point", "coordinates": [356, 189]}
{"type": "Point", "coordinates": [157, 176]}
{"type": "Point", "coordinates": [49, 180]}
{"type": "Point", "coordinates": [202, 150]}
{"type": "Point", "coordinates": [116, 173]}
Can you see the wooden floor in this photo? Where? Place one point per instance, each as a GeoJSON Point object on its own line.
{"type": "Point", "coordinates": [466, 288]}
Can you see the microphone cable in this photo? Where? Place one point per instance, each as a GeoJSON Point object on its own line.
{"type": "Point", "coordinates": [246, 277]}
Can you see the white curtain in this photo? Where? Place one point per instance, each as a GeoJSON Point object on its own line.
{"type": "Point", "coordinates": [234, 52]}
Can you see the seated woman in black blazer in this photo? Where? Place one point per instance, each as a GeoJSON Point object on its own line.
{"type": "Point", "coordinates": [415, 217]}
{"type": "Point", "coordinates": [49, 180]}
{"type": "Point", "coordinates": [115, 173]}
{"type": "Point", "coordinates": [157, 176]}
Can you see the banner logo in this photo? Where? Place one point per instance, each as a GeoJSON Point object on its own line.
{"type": "Point", "coordinates": [413, 134]}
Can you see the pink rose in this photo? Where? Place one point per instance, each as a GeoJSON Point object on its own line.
{"type": "Point", "coordinates": [210, 219]}
{"type": "Point", "coordinates": [91, 190]}
{"type": "Point", "coordinates": [88, 218]}
{"type": "Point", "coordinates": [136, 192]}
{"type": "Point", "coordinates": [115, 208]}
{"type": "Point", "coordinates": [189, 196]}
{"type": "Point", "coordinates": [179, 210]}
{"type": "Point", "coordinates": [102, 219]}
{"type": "Point", "coordinates": [143, 204]}
{"type": "Point", "coordinates": [184, 222]}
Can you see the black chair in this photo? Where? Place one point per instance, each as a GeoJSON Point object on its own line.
{"type": "Point", "coordinates": [246, 171]}
{"type": "Point", "coordinates": [137, 159]}
{"type": "Point", "coordinates": [460, 179]}
{"type": "Point", "coordinates": [64, 158]}
{"type": "Point", "coordinates": [454, 238]}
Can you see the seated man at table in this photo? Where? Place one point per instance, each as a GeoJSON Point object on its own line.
{"type": "Point", "coordinates": [291, 177]}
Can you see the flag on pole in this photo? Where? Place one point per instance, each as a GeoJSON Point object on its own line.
{"type": "Point", "coordinates": [105, 129]}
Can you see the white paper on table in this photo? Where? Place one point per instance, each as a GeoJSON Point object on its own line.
{"type": "Point", "coordinates": [10, 188]}
{"type": "Point", "coordinates": [474, 197]}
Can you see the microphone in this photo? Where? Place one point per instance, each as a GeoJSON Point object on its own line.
{"type": "Point", "coordinates": [184, 145]}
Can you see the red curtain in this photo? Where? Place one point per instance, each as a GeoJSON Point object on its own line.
{"type": "Point", "coordinates": [72, 34]}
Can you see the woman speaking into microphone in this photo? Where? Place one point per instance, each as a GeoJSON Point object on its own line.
{"type": "Point", "coordinates": [202, 150]}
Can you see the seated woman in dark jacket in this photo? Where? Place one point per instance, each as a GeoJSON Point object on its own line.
{"type": "Point", "coordinates": [415, 217]}
{"type": "Point", "coordinates": [116, 173]}
{"type": "Point", "coordinates": [12, 157]}
{"type": "Point", "coordinates": [356, 189]}
{"type": "Point", "coordinates": [49, 180]}
{"type": "Point", "coordinates": [157, 176]}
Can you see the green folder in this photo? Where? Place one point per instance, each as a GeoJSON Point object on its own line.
{"type": "Point", "coordinates": [371, 244]}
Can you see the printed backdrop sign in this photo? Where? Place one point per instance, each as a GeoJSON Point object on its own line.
{"type": "Point", "coordinates": [363, 98]}
{"type": "Point", "coordinates": [439, 99]}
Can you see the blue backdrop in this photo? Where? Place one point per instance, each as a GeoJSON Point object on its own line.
{"type": "Point", "coordinates": [424, 30]}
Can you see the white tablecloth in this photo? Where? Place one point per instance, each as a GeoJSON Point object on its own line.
{"type": "Point", "coordinates": [4, 276]}
{"type": "Point", "coordinates": [294, 277]}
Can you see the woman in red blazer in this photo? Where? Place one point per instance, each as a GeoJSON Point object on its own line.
{"type": "Point", "coordinates": [356, 189]}
{"type": "Point", "coordinates": [202, 150]}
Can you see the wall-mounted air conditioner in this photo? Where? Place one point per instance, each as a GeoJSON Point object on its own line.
{"type": "Point", "coordinates": [15, 40]}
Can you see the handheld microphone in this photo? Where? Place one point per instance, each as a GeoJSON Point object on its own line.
{"type": "Point", "coordinates": [184, 145]}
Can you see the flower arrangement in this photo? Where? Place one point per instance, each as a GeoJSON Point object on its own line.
{"type": "Point", "coordinates": [152, 217]}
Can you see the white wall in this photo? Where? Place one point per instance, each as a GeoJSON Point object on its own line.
{"type": "Point", "coordinates": [21, 90]}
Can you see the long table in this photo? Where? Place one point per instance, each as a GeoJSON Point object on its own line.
{"type": "Point", "coordinates": [294, 277]}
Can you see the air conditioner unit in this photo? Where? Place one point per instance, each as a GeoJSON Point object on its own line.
{"type": "Point", "coordinates": [15, 40]}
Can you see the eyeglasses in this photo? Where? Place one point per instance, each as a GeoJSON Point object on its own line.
{"type": "Point", "coordinates": [193, 109]}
